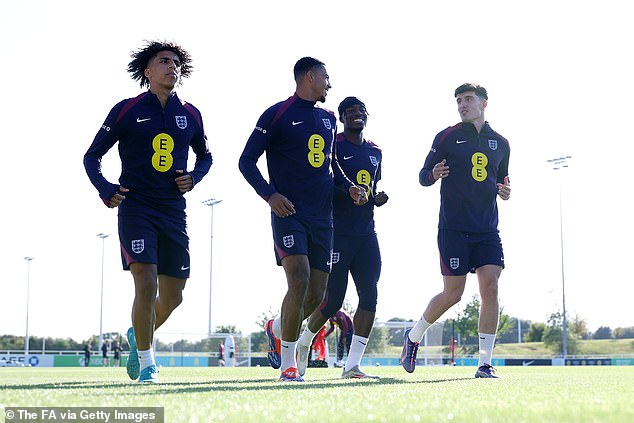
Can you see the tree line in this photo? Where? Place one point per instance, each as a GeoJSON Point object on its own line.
{"type": "Point", "coordinates": [463, 328]}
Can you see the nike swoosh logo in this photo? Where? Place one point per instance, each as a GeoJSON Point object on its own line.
{"type": "Point", "coordinates": [139, 120]}
{"type": "Point", "coordinates": [297, 123]}
{"type": "Point", "coordinates": [284, 346]}
{"type": "Point", "coordinates": [460, 141]}
{"type": "Point", "coordinates": [347, 157]}
{"type": "Point", "coordinates": [527, 363]}
{"type": "Point", "coordinates": [185, 267]}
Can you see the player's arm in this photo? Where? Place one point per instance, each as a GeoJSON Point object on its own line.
{"type": "Point", "coordinates": [380, 197]}
{"type": "Point", "coordinates": [203, 162]}
{"type": "Point", "coordinates": [106, 137]}
{"type": "Point", "coordinates": [253, 150]}
{"type": "Point", "coordinates": [503, 183]}
{"type": "Point", "coordinates": [435, 166]}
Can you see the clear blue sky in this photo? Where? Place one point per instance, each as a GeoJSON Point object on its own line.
{"type": "Point", "coordinates": [556, 75]}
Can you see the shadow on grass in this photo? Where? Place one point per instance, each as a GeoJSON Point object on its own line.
{"type": "Point", "coordinates": [226, 385]}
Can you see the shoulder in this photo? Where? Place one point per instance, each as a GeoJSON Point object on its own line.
{"type": "Point", "coordinates": [371, 144]}
{"type": "Point", "coordinates": [448, 132]}
{"type": "Point", "coordinates": [124, 106]}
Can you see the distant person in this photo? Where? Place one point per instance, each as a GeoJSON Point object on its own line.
{"type": "Point", "coordinates": [298, 140]}
{"type": "Point", "coordinates": [86, 355]}
{"type": "Point", "coordinates": [346, 332]}
{"type": "Point", "coordinates": [155, 131]}
{"type": "Point", "coordinates": [472, 160]}
{"type": "Point", "coordinates": [221, 354]}
{"type": "Point", "coordinates": [116, 353]}
{"type": "Point", "coordinates": [356, 247]}
{"type": "Point", "coordinates": [319, 345]}
{"type": "Point", "coordinates": [105, 361]}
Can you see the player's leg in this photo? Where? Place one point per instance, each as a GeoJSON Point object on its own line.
{"type": "Point", "coordinates": [336, 286]}
{"type": "Point", "coordinates": [365, 270]}
{"type": "Point", "coordinates": [297, 271]}
{"type": "Point", "coordinates": [138, 236]}
{"type": "Point", "coordinates": [488, 276]}
{"type": "Point", "coordinates": [488, 258]}
{"type": "Point", "coordinates": [143, 315]}
{"type": "Point", "coordinates": [170, 296]}
{"type": "Point", "coordinates": [173, 268]}
{"type": "Point", "coordinates": [454, 264]}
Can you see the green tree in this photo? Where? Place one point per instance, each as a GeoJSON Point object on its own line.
{"type": "Point", "coordinates": [378, 340]}
{"type": "Point", "coordinates": [553, 335]}
{"type": "Point", "coordinates": [467, 324]}
{"type": "Point", "coordinates": [620, 333]}
{"type": "Point", "coordinates": [535, 332]}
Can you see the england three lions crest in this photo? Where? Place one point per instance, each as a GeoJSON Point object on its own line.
{"type": "Point", "coordinates": [327, 123]}
{"type": "Point", "coordinates": [493, 144]}
{"type": "Point", "coordinates": [181, 121]}
{"type": "Point", "coordinates": [138, 245]}
{"type": "Point", "coordinates": [288, 241]}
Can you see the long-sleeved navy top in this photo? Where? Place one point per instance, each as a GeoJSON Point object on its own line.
{"type": "Point", "coordinates": [362, 163]}
{"type": "Point", "coordinates": [153, 144]}
{"type": "Point", "coordinates": [477, 163]}
{"type": "Point", "coordinates": [298, 140]}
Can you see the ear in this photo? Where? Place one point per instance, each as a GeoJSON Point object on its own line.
{"type": "Point", "coordinates": [341, 118]}
{"type": "Point", "coordinates": [484, 104]}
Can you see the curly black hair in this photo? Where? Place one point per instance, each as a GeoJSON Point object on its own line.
{"type": "Point", "coordinates": [142, 57]}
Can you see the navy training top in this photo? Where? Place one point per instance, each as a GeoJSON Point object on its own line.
{"type": "Point", "coordinates": [298, 140]}
{"type": "Point", "coordinates": [477, 163]}
{"type": "Point", "coordinates": [362, 163]}
{"type": "Point", "coordinates": [153, 143]}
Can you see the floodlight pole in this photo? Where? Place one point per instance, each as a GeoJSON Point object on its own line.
{"type": "Point", "coordinates": [211, 202]}
{"type": "Point", "coordinates": [557, 164]}
{"type": "Point", "coordinates": [103, 248]}
{"type": "Point", "coordinates": [28, 288]}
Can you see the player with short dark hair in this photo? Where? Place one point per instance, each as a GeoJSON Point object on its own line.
{"type": "Point", "coordinates": [155, 131]}
{"type": "Point", "coordinates": [472, 161]}
{"type": "Point", "coordinates": [298, 139]}
{"type": "Point", "coordinates": [356, 247]}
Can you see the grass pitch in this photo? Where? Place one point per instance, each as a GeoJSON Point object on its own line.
{"type": "Point", "coordinates": [432, 394]}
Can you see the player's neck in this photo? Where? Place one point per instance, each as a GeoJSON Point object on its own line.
{"type": "Point", "coordinates": [163, 94]}
{"type": "Point", "coordinates": [353, 137]}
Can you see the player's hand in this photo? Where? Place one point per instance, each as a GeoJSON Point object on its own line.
{"type": "Point", "coordinates": [380, 198]}
{"type": "Point", "coordinates": [358, 195]}
{"type": "Point", "coordinates": [504, 190]}
{"type": "Point", "coordinates": [440, 170]}
{"type": "Point", "coordinates": [184, 181]}
{"type": "Point", "coordinates": [281, 206]}
{"type": "Point", "coordinates": [118, 198]}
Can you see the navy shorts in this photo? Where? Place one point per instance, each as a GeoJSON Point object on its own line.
{"type": "Point", "coordinates": [463, 252]}
{"type": "Point", "coordinates": [154, 239]}
{"type": "Point", "coordinates": [292, 235]}
{"type": "Point", "coordinates": [360, 256]}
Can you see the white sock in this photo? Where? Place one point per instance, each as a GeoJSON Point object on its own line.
{"type": "Point", "coordinates": [306, 339]}
{"type": "Point", "coordinates": [277, 327]}
{"type": "Point", "coordinates": [486, 342]}
{"type": "Point", "coordinates": [357, 348]}
{"type": "Point", "coordinates": [288, 354]}
{"type": "Point", "coordinates": [419, 329]}
{"type": "Point", "coordinates": [146, 358]}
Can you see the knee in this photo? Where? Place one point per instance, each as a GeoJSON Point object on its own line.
{"type": "Point", "coordinates": [452, 298]}
{"type": "Point", "coordinates": [175, 300]}
{"type": "Point", "coordinates": [489, 293]}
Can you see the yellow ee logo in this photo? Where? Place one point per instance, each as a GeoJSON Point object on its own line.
{"type": "Point", "coordinates": [364, 178]}
{"type": "Point", "coordinates": [478, 171]}
{"type": "Point", "coordinates": [162, 159]}
{"type": "Point", "coordinates": [316, 145]}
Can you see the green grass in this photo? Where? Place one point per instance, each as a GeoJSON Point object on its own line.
{"type": "Point", "coordinates": [433, 394]}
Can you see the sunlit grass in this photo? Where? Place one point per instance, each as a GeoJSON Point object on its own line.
{"type": "Point", "coordinates": [432, 394]}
